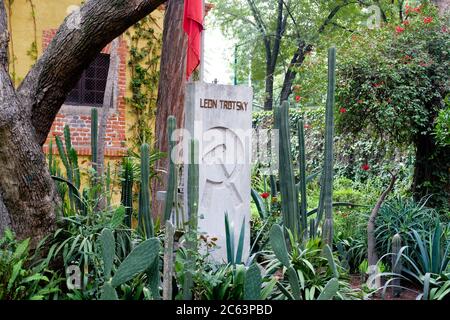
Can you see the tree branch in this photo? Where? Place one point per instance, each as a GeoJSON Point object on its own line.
{"type": "Point", "coordinates": [262, 28]}
{"type": "Point", "coordinates": [79, 39]}
{"type": "Point", "coordinates": [4, 36]}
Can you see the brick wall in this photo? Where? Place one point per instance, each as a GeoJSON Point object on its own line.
{"type": "Point", "coordinates": [79, 119]}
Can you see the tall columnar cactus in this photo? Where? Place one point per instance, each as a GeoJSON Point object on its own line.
{"type": "Point", "coordinates": [168, 261]}
{"type": "Point", "coordinates": [171, 192]}
{"type": "Point", "coordinates": [288, 189]}
{"type": "Point", "coordinates": [302, 183]}
{"type": "Point", "coordinates": [193, 196]}
{"type": "Point", "coordinates": [145, 215]}
{"type": "Point", "coordinates": [94, 138]}
{"type": "Point", "coordinates": [326, 192]}
{"type": "Point", "coordinates": [69, 159]}
{"type": "Point", "coordinates": [139, 260]}
{"type": "Point", "coordinates": [396, 263]}
{"type": "Point", "coordinates": [127, 190]}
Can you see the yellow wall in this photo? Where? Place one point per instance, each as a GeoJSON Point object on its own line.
{"type": "Point", "coordinates": [49, 14]}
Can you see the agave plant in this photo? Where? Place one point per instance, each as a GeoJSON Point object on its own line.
{"type": "Point", "coordinates": [400, 216]}
{"type": "Point", "coordinates": [427, 262]}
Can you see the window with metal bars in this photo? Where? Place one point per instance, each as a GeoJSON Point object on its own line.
{"type": "Point", "coordinates": [90, 89]}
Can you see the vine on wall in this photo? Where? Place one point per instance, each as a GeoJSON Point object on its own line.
{"type": "Point", "coordinates": [145, 51]}
{"type": "Point", "coordinates": [32, 52]}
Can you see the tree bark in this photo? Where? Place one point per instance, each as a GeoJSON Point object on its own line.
{"type": "Point", "coordinates": [372, 256]}
{"type": "Point", "coordinates": [26, 114]}
{"type": "Point", "coordinates": [171, 90]}
{"type": "Point", "coordinates": [431, 171]}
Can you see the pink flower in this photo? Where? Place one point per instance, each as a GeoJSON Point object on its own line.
{"type": "Point", "coordinates": [365, 167]}
{"type": "Point", "coordinates": [359, 101]}
{"type": "Point", "coordinates": [307, 126]}
{"type": "Point", "coordinates": [399, 29]}
{"type": "Point", "coordinates": [427, 20]}
{"type": "Point", "coordinates": [406, 22]}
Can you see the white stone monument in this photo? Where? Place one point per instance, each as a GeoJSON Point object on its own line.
{"type": "Point", "coordinates": [219, 117]}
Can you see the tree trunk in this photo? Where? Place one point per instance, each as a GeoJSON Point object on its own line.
{"type": "Point", "coordinates": [289, 77]}
{"type": "Point", "coordinates": [268, 99]}
{"type": "Point", "coordinates": [172, 84]}
{"type": "Point", "coordinates": [432, 171]}
{"type": "Point", "coordinates": [26, 114]}
{"type": "Point", "coordinates": [372, 256]}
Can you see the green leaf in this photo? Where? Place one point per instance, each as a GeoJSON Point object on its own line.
{"type": "Point", "coordinates": [139, 260]}
{"type": "Point", "coordinates": [21, 249]}
{"type": "Point", "coordinates": [240, 248]}
{"type": "Point", "coordinates": [252, 285]}
{"type": "Point", "coordinates": [279, 245]}
{"type": "Point", "coordinates": [108, 251]}
{"type": "Point", "coordinates": [330, 290]}
{"type": "Point", "coordinates": [108, 292]}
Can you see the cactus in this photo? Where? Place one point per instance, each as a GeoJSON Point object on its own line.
{"type": "Point", "coordinates": [280, 249]}
{"type": "Point", "coordinates": [145, 215]}
{"type": "Point", "coordinates": [302, 183]}
{"type": "Point", "coordinates": [252, 283]}
{"type": "Point", "coordinates": [139, 260]}
{"type": "Point", "coordinates": [69, 159]}
{"type": "Point", "coordinates": [94, 138]}
{"type": "Point", "coordinates": [396, 263]}
{"type": "Point", "coordinates": [171, 192]}
{"type": "Point", "coordinates": [168, 261]}
{"type": "Point", "coordinates": [193, 195]}
{"type": "Point", "coordinates": [326, 193]}
{"type": "Point", "coordinates": [330, 290]}
{"type": "Point", "coordinates": [127, 190]}
{"type": "Point", "coordinates": [288, 189]}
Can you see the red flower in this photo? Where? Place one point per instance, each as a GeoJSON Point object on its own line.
{"type": "Point", "coordinates": [406, 22]}
{"type": "Point", "coordinates": [365, 167]}
{"type": "Point", "coordinates": [427, 20]}
{"type": "Point", "coordinates": [298, 98]}
{"type": "Point", "coordinates": [377, 85]}
{"type": "Point", "coordinates": [399, 29]}
{"type": "Point", "coordinates": [417, 9]}
{"type": "Point", "coordinates": [407, 9]}
{"type": "Point", "coordinates": [265, 195]}
{"type": "Point", "coordinates": [342, 110]}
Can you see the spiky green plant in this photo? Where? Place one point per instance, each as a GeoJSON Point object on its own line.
{"type": "Point", "coordinates": [326, 192]}
{"type": "Point", "coordinates": [145, 215]}
{"type": "Point", "coordinates": [396, 263]}
{"type": "Point", "coordinates": [193, 196]}
{"type": "Point", "coordinates": [127, 190]}
{"type": "Point", "coordinates": [171, 192]}
{"type": "Point", "coordinates": [234, 254]}
{"type": "Point", "coordinates": [288, 189]}
{"type": "Point", "coordinates": [94, 138]}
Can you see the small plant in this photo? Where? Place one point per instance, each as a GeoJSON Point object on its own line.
{"type": "Point", "coordinates": [23, 276]}
{"type": "Point", "coordinates": [139, 260]}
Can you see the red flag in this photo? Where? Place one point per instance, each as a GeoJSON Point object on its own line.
{"type": "Point", "coordinates": [193, 26]}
